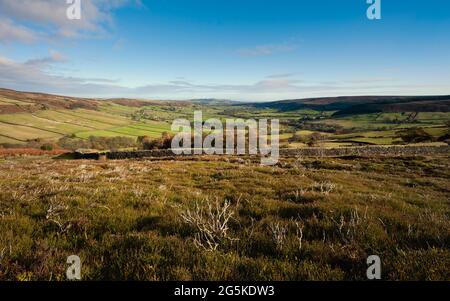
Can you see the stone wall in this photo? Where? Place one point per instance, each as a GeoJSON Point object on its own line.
{"type": "Point", "coordinates": [300, 152]}
{"type": "Point", "coordinates": [366, 151]}
{"type": "Point", "coordinates": [140, 154]}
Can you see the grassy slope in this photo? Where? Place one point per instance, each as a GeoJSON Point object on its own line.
{"type": "Point", "coordinates": [123, 218]}
{"type": "Point", "coordinates": [102, 118]}
{"type": "Point", "coordinates": [110, 119]}
{"type": "Point", "coordinates": [53, 124]}
{"type": "Point", "coordinates": [67, 115]}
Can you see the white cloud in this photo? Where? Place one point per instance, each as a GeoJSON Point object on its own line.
{"type": "Point", "coordinates": [47, 19]}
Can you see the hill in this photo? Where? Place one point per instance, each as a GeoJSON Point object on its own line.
{"type": "Point", "coordinates": [26, 117]}
{"type": "Point", "coordinates": [15, 102]}
{"type": "Point", "coordinates": [348, 105]}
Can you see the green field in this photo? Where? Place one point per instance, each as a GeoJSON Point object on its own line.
{"type": "Point", "coordinates": [134, 130]}
{"type": "Point", "coordinates": [112, 120]}
{"type": "Point", "coordinates": [54, 124]}
{"type": "Point", "coordinates": [23, 133]}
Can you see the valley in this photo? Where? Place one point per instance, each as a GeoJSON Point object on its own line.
{"type": "Point", "coordinates": [337, 122]}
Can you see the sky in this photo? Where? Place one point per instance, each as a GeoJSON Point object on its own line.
{"type": "Point", "coordinates": [248, 50]}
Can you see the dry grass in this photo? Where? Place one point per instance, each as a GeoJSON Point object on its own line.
{"type": "Point", "coordinates": [20, 152]}
{"type": "Point", "coordinates": [216, 218]}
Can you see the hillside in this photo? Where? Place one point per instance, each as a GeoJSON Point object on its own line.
{"type": "Point", "coordinates": [26, 116]}
{"type": "Point", "coordinates": [342, 121]}
{"type": "Point", "coordinates": [16, 102]}
{"type": "Point", "coordinates": [348, 105]}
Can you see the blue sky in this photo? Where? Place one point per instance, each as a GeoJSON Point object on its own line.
{"type": "Point", "coordinates": [239, 49]}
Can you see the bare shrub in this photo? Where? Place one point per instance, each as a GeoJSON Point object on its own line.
{"type": "Point", "coordinates": [350, 226]}
{"type": "Point", "coordinates": [324, 187]}
{"type": "Point", "coordinates": [53, 215]}
{"type": "Point", "coordinates": [55, 211]}
{"type": "Point", "coordinates": [299, 233]}
{"type": "Point", "coordinates": [2, 254]}
{"type": "Point", "coordinates": [211, 223]}
{"type": "Point", "coordinates": [297, 195]}
{"type": "Point", "coordinates": [279, 233]}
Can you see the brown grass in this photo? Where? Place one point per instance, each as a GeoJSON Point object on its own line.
{"type": "Point", "coordinates": [306, 219]}
{"type": "Point", "coordinates": [13, 152]}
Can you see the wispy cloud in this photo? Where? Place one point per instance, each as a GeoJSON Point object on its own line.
{"type": "Point", "coordinates": [37, 75]}
{"type": "Point", "coordinates": [372, 80]}
{"type": "Point", "coordinates": [10, 32]}
{"type": "Point", "coordinates": [54, 57]}
{"type": "Point", "coordinates": [281, 75]}
{"type": "Point", "coordinates": [269, 49]}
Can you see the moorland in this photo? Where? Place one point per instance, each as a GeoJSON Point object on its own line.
{"type": "Point", "coordinates": [223, 217]}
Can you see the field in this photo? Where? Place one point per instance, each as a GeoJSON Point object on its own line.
{"type": "Point", "coordinates": [112, 121]}
{"type": "Point", "coordinates": [29, 116]}
{"type": "Point", "coordinates": [52, 125]}
{"type": "Point", "coordinates": [306, 219]}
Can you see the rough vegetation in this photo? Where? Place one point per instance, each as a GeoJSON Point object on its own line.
{"type": "Point", "coordinates": [226, 218]}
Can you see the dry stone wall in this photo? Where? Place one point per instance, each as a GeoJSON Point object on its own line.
{"type": "Point", "coordinates": [300, 152]}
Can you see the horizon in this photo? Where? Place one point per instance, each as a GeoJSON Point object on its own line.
{"type": "Point", "coordinates": [225, 50]}
{"type": "Point", "coordinates": [223, 99]}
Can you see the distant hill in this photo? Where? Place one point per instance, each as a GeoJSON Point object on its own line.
{"type": "Point", "coordinates": [12, 101]}
{"type": "Point", "coordinates": [213, 101]}
{"type": "Point", "coordinates": [137, 103]}
{"type": "Point", "coordinates": [22, 102]}
{"type": "Point", "coordinates": [350, 105]}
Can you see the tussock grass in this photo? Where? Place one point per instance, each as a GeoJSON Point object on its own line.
{"type": "Point", "coordinates": [215, 218]}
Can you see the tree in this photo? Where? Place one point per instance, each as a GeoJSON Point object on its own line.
{"type": "Point", "coordinates": [165, 142]}
{"type": "Point", "coordinates": [415, 135]}
{"type": "Point", "coordinates": [47, 147]}
{"type": "Point", "coordinates": [447, 123]}
{"type": "Point", "coordinates": [296, 138]}
{"type": "Point", "coordinates": [314, 139]}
